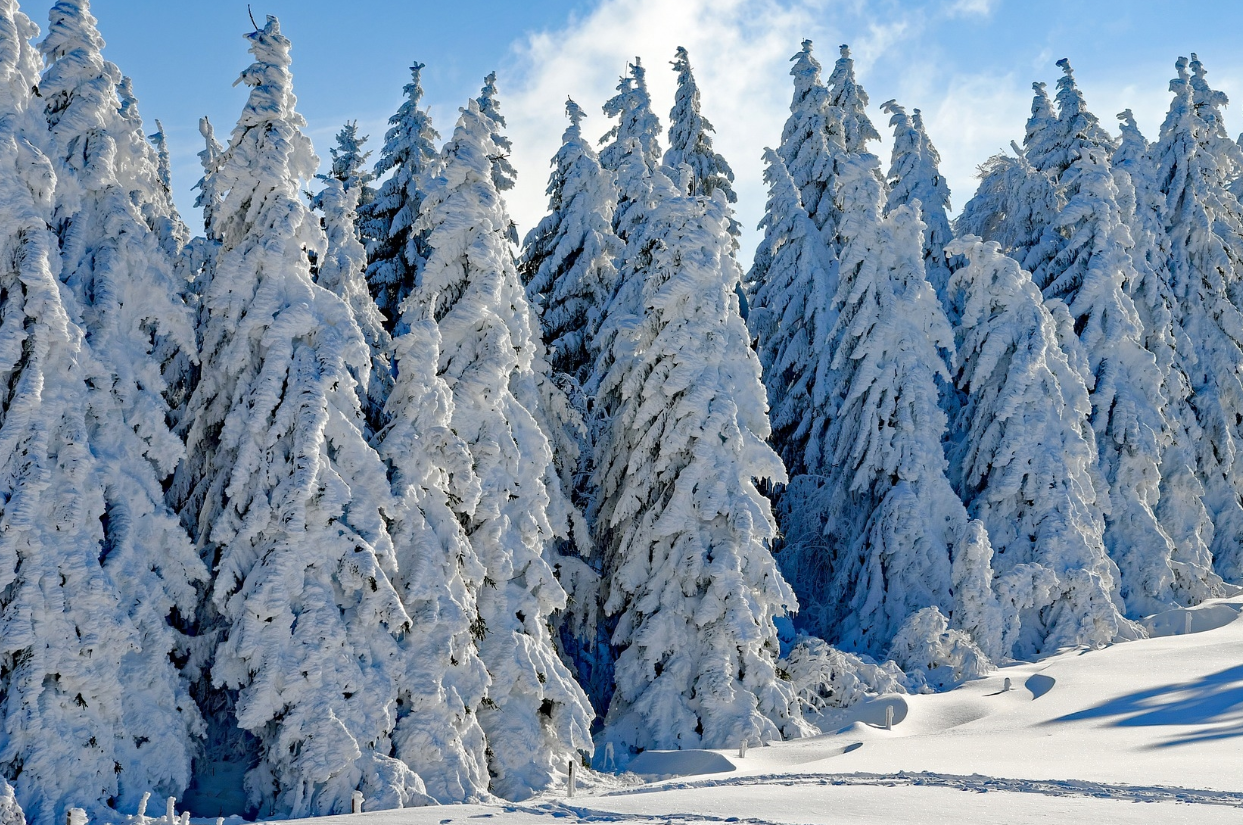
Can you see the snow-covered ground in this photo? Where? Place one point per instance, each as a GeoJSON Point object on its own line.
{"type": "Point", "coordinates": [1148, 731]}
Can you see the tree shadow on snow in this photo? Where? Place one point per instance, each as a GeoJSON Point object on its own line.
{"type": "Point", "coordinates": [1215, 699]}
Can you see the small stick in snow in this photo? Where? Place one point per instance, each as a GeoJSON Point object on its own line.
{"type": "Point", "coordinates": [170, 811]}
{"type": "Point", "coordinates": [609, 760]}
{"type": "Point", "coordinates": [571, 781]}
{"type": "Point", "coordinates": [742, 749]}
{"type": "Point", "coordinates": [1187, 623]}
{"type": "Point", "coordinates": [356, 802]}
{"type": "Point", "coordinates": [888, 717]}
{"type": "Point", "coordinates": [1005, 686]}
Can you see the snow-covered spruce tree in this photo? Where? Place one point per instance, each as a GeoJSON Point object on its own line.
{"type": "Point", "coordinates": [1041, 130]}
{"type": "Point", "coordinates": [689, 577]}
{"type": "Point", "coordinates": [135, 321]}
{"type": "Point", "coordinates": [1089, 272]}
{"type": "Point", "coordinates": [342, 272]}
{"type": "Point", "coordinates": [569, 259]}
{"type": "Point", "coordinates": [1022, 459]}
{"type": "Point", "coordinates": [690, 139]}
{"type": "Point", "coordinates": [1014, 206]}
{"type": "Point", "coordinates": [871, 537]}
{"type": "Point", "coordinates": [632, 106]}
{"type": "Point", "coordinates": [394, 250]}
{"type": "Point", "coordinates": [790, 318]}
{"type": "Point", "coordinates": [637, 124]}
{"type": "Point", "coordinates": [915, 175]}
{"type": "Point", "coordinates": [287, 500]}
{"type": "Point", "coordinates": [504, 175]}
{"type": "Point", "coordinates": [443, 680]}
{"type": "Point", "coordinates": [83, 724]}
{"type": "Point", "coordinates": [846, 94]}
{"type": "Point", "coordinates": [534, 714]}
{"type": "Point", "coordinates": [349, 163]}
{"type": "Point", "coordinates": [1202, 220]}
{"type": "Point", "coordinates": [193, 268]}
{"type": "Point", "coordinates": [1180, 508]}
{"type": "Point", "coordinates": [569, 267]}
{"type": "Point", "coordinates": [140, 167]}
{"type": "Point", "coordinates": [811, 138]}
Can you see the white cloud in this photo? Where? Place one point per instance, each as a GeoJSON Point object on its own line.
{"type": "Point", "coordinates": [973, 7]}
{"type": "Point", "coordinates": [740, 51]}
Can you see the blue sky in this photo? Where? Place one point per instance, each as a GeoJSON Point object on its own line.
{"type": "Point", "coordinates": [967, 63]}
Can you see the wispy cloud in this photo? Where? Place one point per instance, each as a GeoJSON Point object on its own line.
{"type": "Point", "coordinates": [740, 51]}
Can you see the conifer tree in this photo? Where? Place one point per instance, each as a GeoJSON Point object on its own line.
{"type": "Point", "coordinates": [690, 139]}
{"type": "Point", "coordinates": [1181, 509]}
{"type": "Point", "coordinates": [632, 106]}
{"type": "Point", "coordinates": [92, 709]}
{"type": "Point", "coordinates": [1023, 457]}
{"type": "Point", "coordinates": [846, 94]}
{"type": "Point", "coordinates": [534, 715]}
{"type": "Point", "coordinates": [1090, 271]}
{"type": "Point", "coordinates": [439, 573]}
{"type": "Point", "coordinates": [790, 315]}
{"type": "Point", "coordinates": [914, 175]}
{"type": "Point", "coordinates": [394, 250]}
{"type": "Point", "coordinates": [287, 500]}
{"type": "Point", "coordinates": [569, 259]}
{"type": "Point", "coordinates": [871, 537]}
{"type": "Point", "coordinates": [135, 322]}
{"type": "Point", "coordinates": [638, 125]}
{"type": "Point", "coordinates": [349, 163]}
{"type": "Point", "coordinates": [811, 138]}
{"type": "Point", "coordinates": [342, 272]}
{"type": "Point", "coordinates": [689, 576]}
{"type": "Point", "coordinates": [1202, 220]}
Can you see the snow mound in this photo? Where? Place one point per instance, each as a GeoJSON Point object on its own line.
{"type": "Point", "coordinates": [667, 764]}
{"type": "Point", "coordinates": [872, 711]}
{"type": "Point", "coordinates": [1199, 619]}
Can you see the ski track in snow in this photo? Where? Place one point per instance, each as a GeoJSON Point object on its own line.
{"type": "Point", "coordinates": [976, 783]}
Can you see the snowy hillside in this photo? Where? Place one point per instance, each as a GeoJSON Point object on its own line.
{"type": "Point", "coordinates": [1080, 737]}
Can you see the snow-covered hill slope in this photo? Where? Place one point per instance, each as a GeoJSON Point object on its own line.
{"type": "Point", "coordinates": [1148, 731]}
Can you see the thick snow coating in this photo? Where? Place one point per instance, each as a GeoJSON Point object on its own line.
{"type": "Point", "coordinates": [685, 530]}
{"type": "Point", "coordinates": [353, 502]}
{"type": "Point", "coordinates": [534, 715]}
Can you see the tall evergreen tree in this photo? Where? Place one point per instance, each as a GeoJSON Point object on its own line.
{"type": "Point", "coordinates": [1023, 457]}
{"type": "Point", "coordinates": [688, 571]}
{"type": "Point", "coordinates": [534, 715]}
{"type": "Point", "coordinates": [846, 94]}
{"type": "Point", "coordinates": [1202, 220]}
{"type": "Point", "coordinates": [790, 315]}
{"type": "Point", "coordinates": [872, 536]}
{"type": "Point", "coordinates": [287, 499]}
{"type": "Point", "coordinates": [439, 573]}
{"type": "Point", "coordinates": [92, 710]}
{"type": "Point", "coordinates": [690, 139]}
{"type": "Point", "coordinates": [811, 138]}
{"type": "Point", "coordinates": [395, 251]}
{"type": "Point", "coordinates": [342, 272]}
{"type": "Point", "coordinates": [636, 124]}
{"type": "Point", "coordinates": [135, 321]}
{"type": "Point", "coordinates": [1181, 509]}
{"type": "Point", "coordinates": [569, 259]}
{"type": "Point", "coordinates": [632, 106]}
{"type": "Point", "coordinates": [349, 163]}
{"type": "Point", "coordinates": [915, 175]}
